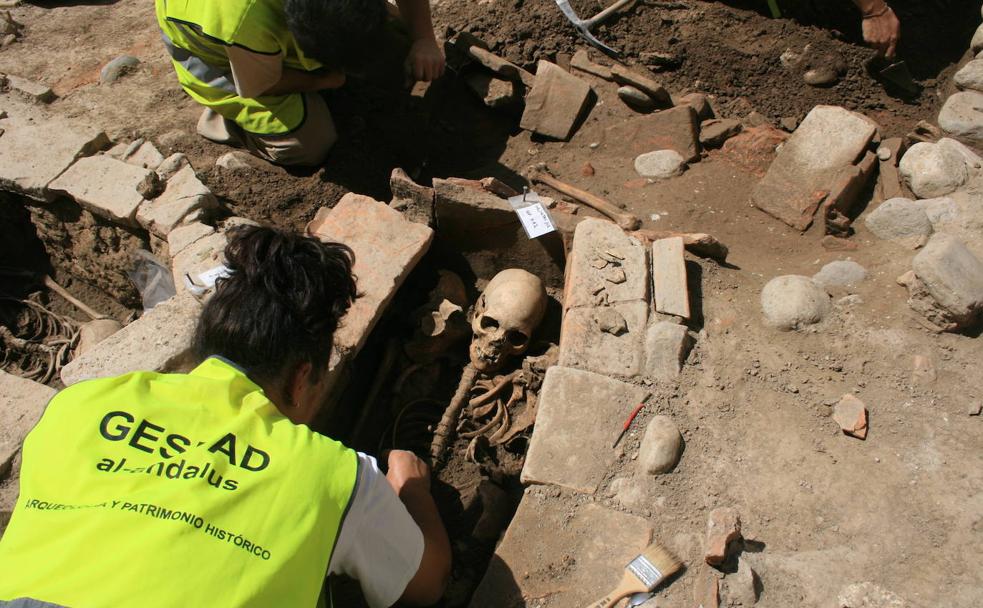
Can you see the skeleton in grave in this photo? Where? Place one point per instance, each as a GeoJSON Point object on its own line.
{"type": "Point", "coordinates": [505, 316]}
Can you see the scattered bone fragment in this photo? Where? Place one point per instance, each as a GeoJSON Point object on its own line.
{"type": "Point", "coordinates": [581, 61]}
{"type": "Point", "coordinates": [650, 87]}
{"type": "Point", "coordinates": [851, 414]}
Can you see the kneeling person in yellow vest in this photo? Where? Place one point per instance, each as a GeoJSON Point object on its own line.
{"type": "Point", "coordinates": [208, 488]}
{"type": "Point", "coordinates": [257, 65]}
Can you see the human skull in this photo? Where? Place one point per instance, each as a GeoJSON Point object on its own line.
{"type": "Point", "coordinates": [506, 314]}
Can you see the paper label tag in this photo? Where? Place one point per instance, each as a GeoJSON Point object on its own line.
{"type": "Point", "coordinates": [206, 280]}
{"type": "Point", "coordinates": [533, 215]}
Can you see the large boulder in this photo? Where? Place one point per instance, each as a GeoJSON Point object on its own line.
{"type": "Point", "coordinates": [794, 301]}
{"type": "Point", "coordinates": [962, 116]}
{"type": "Point", "coordinates": [946, 283]}
{"type": "Point", "coordinates": [934, 169]}
{"type": "Point", "coordinates": [900, 219]}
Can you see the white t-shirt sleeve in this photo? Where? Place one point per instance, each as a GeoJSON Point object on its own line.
{"type": "Point", "coordinates": [253, 73]}
{"type": "Point", "coordinates": [379, 543]}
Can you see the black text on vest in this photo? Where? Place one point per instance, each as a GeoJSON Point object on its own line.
{"type": "Point", "coordinates": [149, 437]}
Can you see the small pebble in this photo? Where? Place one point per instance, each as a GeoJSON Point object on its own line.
{"type": "Point", "coordinates": [976, 409]}
{"type": "Point", "coordinates": [820, 77]}
{"type": "Point", "coordinates": [884, 153]}
{"type": "Point", "coordinates": [636, 99]}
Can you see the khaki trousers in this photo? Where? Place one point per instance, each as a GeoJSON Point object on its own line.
{"type": "Point", "coordinates": [307, 145]}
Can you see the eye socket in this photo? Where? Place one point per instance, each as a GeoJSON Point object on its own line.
{"type": "Point", "coordinates": [488, 323]}
{"type": "Point", "coordinates": [516, 338]}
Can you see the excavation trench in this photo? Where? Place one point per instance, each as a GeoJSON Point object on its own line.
{"type": "Point", "coordinates": [398, 389]}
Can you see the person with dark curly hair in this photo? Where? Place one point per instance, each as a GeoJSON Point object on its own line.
{"type": "Point", "coordinates": [209, 488]}
{"type": "Point", "coordinates": [258, 65]}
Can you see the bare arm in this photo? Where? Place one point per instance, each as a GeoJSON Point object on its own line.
{"type": "Point", "coordinates": [425, 61]}
{"type": "Point", "coordinates": [299, 81]}
{"type": "Point", "coordinates": [410, 478]}
{"type": "Point", "coordinates": [881, 27]}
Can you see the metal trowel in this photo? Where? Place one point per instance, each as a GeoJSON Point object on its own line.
{"type": "Point", "coordinates": [896, 73]}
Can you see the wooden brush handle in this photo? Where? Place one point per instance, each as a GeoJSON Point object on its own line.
{"type": "Point", "coordinates": [628, 585]}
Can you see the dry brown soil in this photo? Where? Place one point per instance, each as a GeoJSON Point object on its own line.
{"type": "Point", "coordinates": [902, 509]}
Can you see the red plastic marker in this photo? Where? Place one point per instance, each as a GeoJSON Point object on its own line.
{"type": "Point", "coordinates": [631, 418]}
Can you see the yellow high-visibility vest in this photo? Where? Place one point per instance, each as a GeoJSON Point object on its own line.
{"type": "Point", "coordinates": [196, 34]}
{"type": "Point", "coordinates": [174, 490]}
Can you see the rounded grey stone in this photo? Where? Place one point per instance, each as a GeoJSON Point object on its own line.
{"type": "Point", "coordinates": [884, 153]}
{"type": "Point", "coordinates": [115, 69]}
{"type": "Point", "coordinates": [970, 76]}
{"type": "Point", "coordinates": [636, 99]}
{"type": "Point", "coordinates": [899, 218]}
{"type": "Point", "coordinates": [820, 77]}
{"type": "Point", "coordinates": [792, 301]}
{"type": "Point", "coordinates": [940, 210]}
{"type": "Point", "coordinates": [661, 164]}
{"type": "Point", "coordinates": [841, 273]}
{"type": "Point", "coordinates": [661, 446]}
{"type": "Point", "coordinates": [933, 169]}
{"type": "Point", "coordinates": [962, 116]}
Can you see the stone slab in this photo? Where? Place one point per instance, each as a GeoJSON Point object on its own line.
{"type": "Point", "coordinates": [669, 277]}
{"type": "Point", "coordinates": [142, 153]}
{"type": "Point", "coordinates": [486, 231]}
{"type": "Point", "coordinates": [22, 402]}
{"type": "Point", "coordinates": [159, 341]}
{"type": "Point", "coordinates": [674, 129]}
{"type": "Point", "coordinates": [585, 344]}
{"type": "Point", "coordinates": [34, 91]}
{"type": "Point", "coordinates": [105, 186]}
{"type": "Point", "coordinates": [587, 549]}
{"type": "Point", "coordinates": [580, 413]}
{"type": "Point", "coordinates": [605, 265]}
{"type": "Point", "coordinates": [555, 102]}
{"type": "Point", "coordinates": [182, 197]}
{"type": "Point", "coordinates": [962, 116]}
{"type": "Point", "coordinates": [183, 237]}
{"type": "Point", "coordinates": [202, 255]}
{"type": "Point", "coordinates": [36, 149]}
{"type": "Point", "coordinates": [828, 140]}
{"type": "Point", "coordinates": [666, 347]}
{"type": "Point", "coordinates": [953, 276]}
{"type": "Point", "coordinates": [387, 247]}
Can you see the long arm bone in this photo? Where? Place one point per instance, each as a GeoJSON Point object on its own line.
{"type": "Point", "coordinates": [448, 423]}
{"type": "Point", "coordinates": [626, 221]}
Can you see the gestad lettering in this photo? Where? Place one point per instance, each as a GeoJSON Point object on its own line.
{"type": "Point", "coordinates": [150, 438]}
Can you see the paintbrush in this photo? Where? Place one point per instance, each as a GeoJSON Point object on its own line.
{"type": "Point", "coordinates": [642, 574]}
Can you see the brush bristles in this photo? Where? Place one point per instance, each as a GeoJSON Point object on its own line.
{"type": "Point", "coordinates": [654, 565]}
